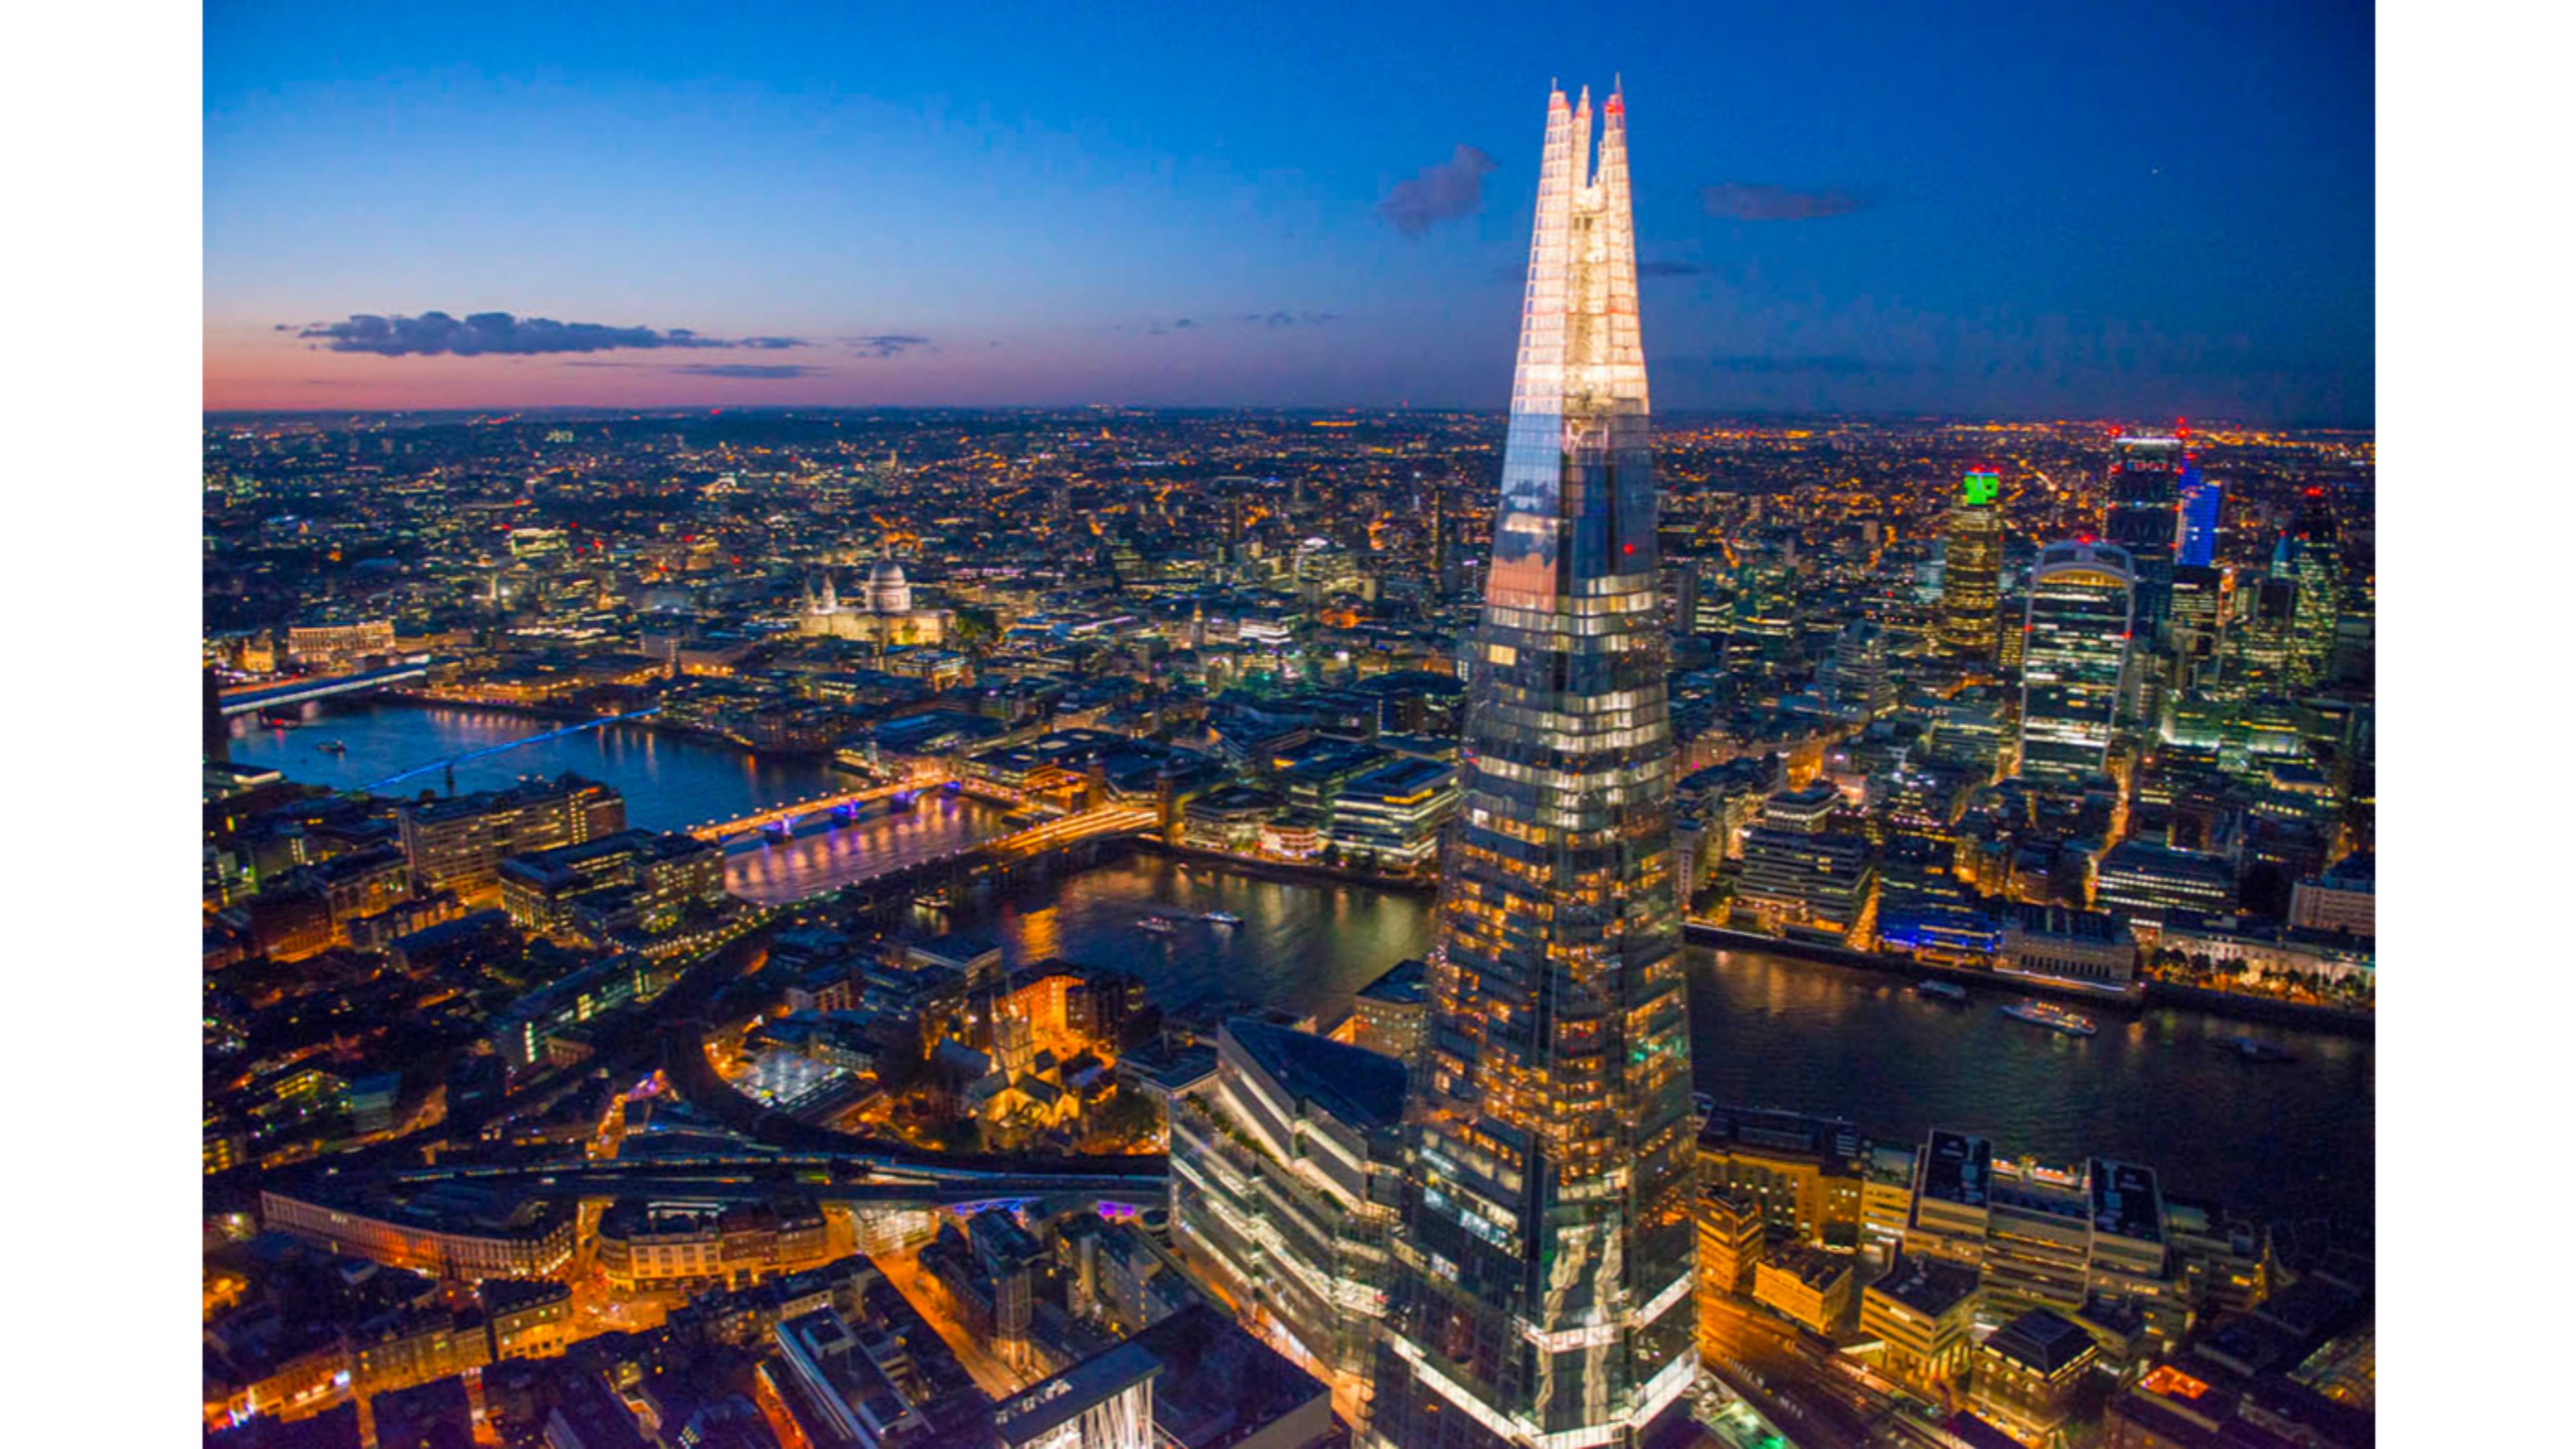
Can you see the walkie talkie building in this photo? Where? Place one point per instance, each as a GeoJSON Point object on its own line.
{"type": "Point", "coordinates": [1543, 1287]}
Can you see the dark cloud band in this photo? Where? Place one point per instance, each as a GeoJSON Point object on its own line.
{"type": "Point", "coordinates": [749, 371]}
{"type": "Point", "coordinates": [481, 334]}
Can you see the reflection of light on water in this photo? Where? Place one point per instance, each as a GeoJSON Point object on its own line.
{"type": "Point", "coordinates": [1039, 933]}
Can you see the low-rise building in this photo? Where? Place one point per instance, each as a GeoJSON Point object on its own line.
{"type": "Point", "coordinates": [2341, 900]}
{"type": "Point", "coordinates": [2055, 943]}
{"type": "Point", "coordinates": [1802, 878]}
{"type": "Point", "coordinates": [1228, 818]}
{"type": "Point", "coordinates": [2028, 1374]}
{"type": "Point", "coordinates": [458, 843]}
{"type": "Point", "coordinates": [653, 879]}
{"type": "Point", "coordinates": [528, 1319]}
{"type": "Point", "coordinates": [1809, 1286]}
{"type": "Point", "coordinates": [521, 1031]}
{"type": "Point", "coordinates": [416, 1346]}
{"type": "Point", "coordinates": [1799, 1172]}
{"type": "Point", "coordinates": [1389, 1013]}
{"type": "Point", "coordinates": [1389, 818]}
{"type": "Point", "coordinates": [2140, 877]}
{"type": "Point", "coordinates": [1730, 1242]}
{"type": "Point", "coordinates": [453, 1231]}
{"type": "Point", "coordinates": [1921, 1309]}
{"type": "Point", "coordinates": [645, 1247]}
{"type": "Point", "coordinates": [2045, 1237]}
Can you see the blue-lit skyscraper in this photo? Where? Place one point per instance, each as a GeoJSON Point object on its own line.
{"type": "Point", "coordinates": [2197, 543]}
{"type": "Point", "coordinates": [1542, 1294]}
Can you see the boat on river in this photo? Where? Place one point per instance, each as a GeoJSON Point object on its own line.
{"type": "Point", "coordinates": [2253, 1050]}
{"type": "Point", "coordinates": [2052, 1016]}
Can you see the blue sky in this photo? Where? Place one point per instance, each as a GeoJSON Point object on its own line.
{"type": "Point", "coordinates": [2109, 210]}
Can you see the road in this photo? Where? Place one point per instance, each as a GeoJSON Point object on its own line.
{"type": "Point", "coordinates": [929, 1297]}
{"type": "Point", "coordinates": [1820, 1400]}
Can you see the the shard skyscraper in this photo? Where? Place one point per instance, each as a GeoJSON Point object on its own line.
{"type": "Point", "coordinates": [1543, 1286]}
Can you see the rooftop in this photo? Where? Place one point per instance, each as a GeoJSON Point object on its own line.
{"type": "Point", "coordinates": [1957, 1168]}
{"type": "Point", "coordinates": [1406, 983]}
{"type": "Point", "coordinates": [1359, 1086]}
{"type": "Point", "coordinates": [1029, 1417]}
{"type": "Point", "coordinates": [2126, 1203]}
{"type": "Point", "coordinates": [2041, 1342]}
{"type": "Point", "coordinates": [1929, 1286]}
{"type": "Point", "coordinates": [1220, 1385]}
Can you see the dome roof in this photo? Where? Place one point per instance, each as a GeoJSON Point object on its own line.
{"type": "Point", "coordinates": [888, 592]}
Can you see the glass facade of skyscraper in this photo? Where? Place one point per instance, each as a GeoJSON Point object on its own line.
{"type": "Point", "coordinates": [2197, 545]}
{"type": "Point", "coordinates": [2146, 491]}
{"type": "Point", "coordinates": [1543, 1288]}
{"type": "Point", "coordinates": [1972, 560]}
{"type": "Point", "coordinates": [2075, 650]}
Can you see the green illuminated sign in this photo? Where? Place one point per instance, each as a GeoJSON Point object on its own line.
{"type": "Point", "coordinates": [1980, 487]}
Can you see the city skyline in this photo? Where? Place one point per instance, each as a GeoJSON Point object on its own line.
{"type": "Point", "coordinates": [1936, 219]}
{"type": "Point", "coordinates": [787, 924]}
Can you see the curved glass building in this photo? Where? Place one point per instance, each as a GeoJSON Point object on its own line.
{"type": "Point", "coordinates": [2075, 657]}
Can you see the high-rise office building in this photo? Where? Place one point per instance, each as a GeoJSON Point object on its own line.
{"type": "Point", "coordinates": [2196, 621]}
{"type": "Point", "coordinates": [1542, 1293]}
{"type": "Point", "coordinates": [2308, 557]}
{"type": "Point", "coordinates": [1861, 686]}
{"type": "Point", "coordinates": [2146, 494]}
{"type": "Point", "coordinates": [1971, 567]}
{"type": "Point", "coordinates": [2075, 654]}
{"type": "Point", "coordinates": [2196, 540]}
{"type": "Point", "coordinates": [2259, 641]}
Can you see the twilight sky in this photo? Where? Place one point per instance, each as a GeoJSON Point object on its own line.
{"type": "Point", "coordinates": [2106, 209]}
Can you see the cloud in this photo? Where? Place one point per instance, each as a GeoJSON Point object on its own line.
{"type": "Point", "coordinates": [1739, 201]}
{"type": "Point", "coordinates": [887, 344]}
{"type": "Point", "coordinates": [1671, 269]}
{"type": "Point", "coordinates": [1289, 319]}
{"type": "Point", "coordinates": [1159, 329]}
{"type": "Point", "coordinates": [1446, 192]}
{"type": "Point", "coordinates": [753, 371]}
{"type": "Point", "coordinates": [498, 333]}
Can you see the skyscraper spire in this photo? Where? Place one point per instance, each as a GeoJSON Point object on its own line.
{"type": "Point", "coordinates": [1543, 1287]}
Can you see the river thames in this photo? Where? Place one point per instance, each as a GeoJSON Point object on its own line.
{"type": "Point", "coordinates": [671, 781]}
{"type": "Point", "coordinates": [2285, 1140]}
